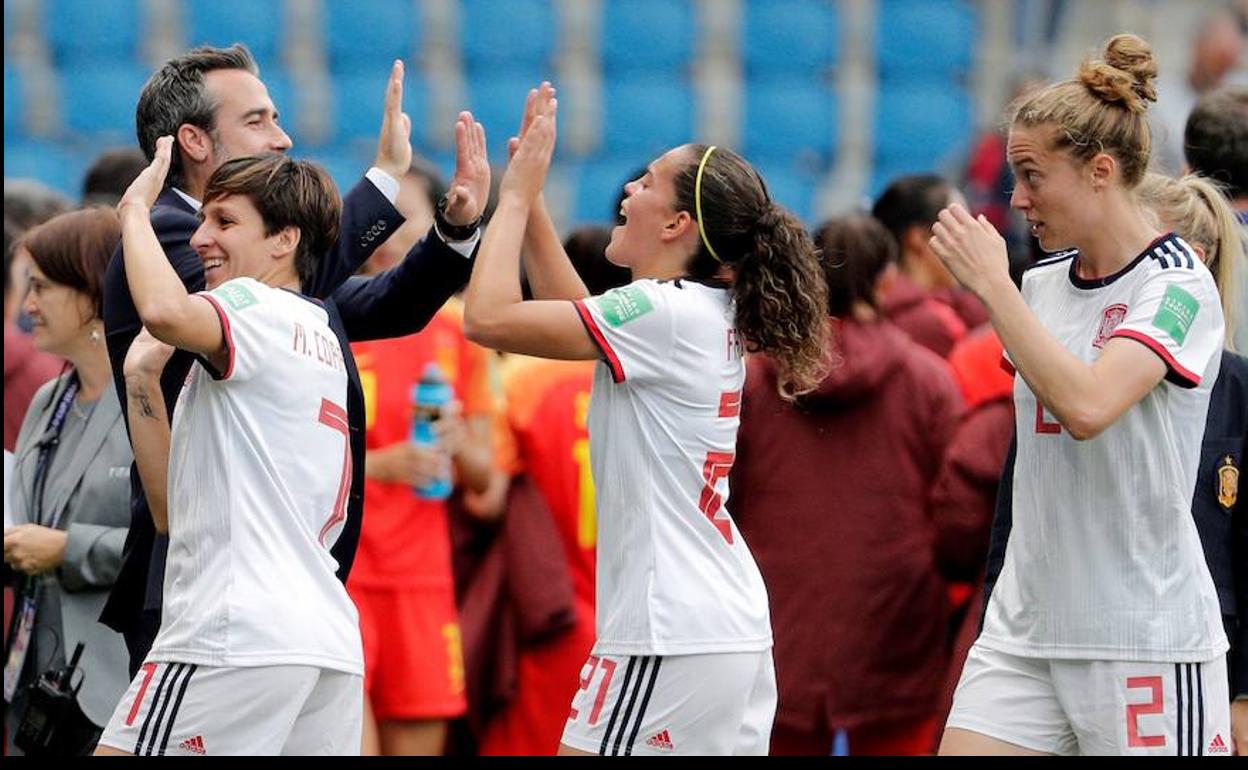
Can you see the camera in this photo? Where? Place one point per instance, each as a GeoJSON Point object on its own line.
{"type": "Point", "coordinates": [54, 725]}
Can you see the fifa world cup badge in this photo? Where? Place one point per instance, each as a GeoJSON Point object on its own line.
{"type": "Point", "coordinates": [1228, 482]}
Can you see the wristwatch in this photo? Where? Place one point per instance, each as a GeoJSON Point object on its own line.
{"type": "Point", "coordinates": [449, 231]}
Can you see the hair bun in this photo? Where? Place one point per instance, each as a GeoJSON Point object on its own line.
{"type": "Point", "coordinates": [1126, 74]}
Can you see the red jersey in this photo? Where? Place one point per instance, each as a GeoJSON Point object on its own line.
{"type": "Point", "coordinates": [405, 541]}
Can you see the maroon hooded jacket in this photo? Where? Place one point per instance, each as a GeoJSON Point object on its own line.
{"type": "Point", "coordinates": [831, 496]}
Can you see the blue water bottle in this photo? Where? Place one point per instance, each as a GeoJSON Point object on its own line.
{"type": "Point", "coordinates": [429, 398]}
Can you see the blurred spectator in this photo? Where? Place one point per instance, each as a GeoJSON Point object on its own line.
{"type": "Point", "coordinates": [1216, 146]}
{"type": "Point", "coordinates": [1216, 51]}
{"type": "Point", "coordinates": [110, 174]}
{"type": "Point", "coordinates": [28, 203]}
{"type": "Point", "coordinates": [402, 581]}
{"type": "Point", "coordinates": [25, 367]}
{"type": "Point", "coordinates": [869, 438]}
{"type": "Point", "coordinates": [71, 493]}
{"type": "Point", "coordinates": [547, 405]}
{"type": "Point", "coordinates": [921, 297]}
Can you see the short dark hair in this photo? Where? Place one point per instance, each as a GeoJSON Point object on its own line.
{"type": "Point", "coordinates": [910, 201]}
{"type": "Point", "coordinates": [175, 95]}
{"type": "Point", "coordinates": [287, 193]}
{"type": "Point", "coordinates": [1215, 141]}
{"type": "Point", "coordinates": [74, 249]}
{"type": "Point", "coordinates": [854, 250]}
{"type": "Point", "coordinates": [110, 174]}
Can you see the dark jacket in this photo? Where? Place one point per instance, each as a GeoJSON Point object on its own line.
{"type": "Point", "coordinates": [831, 495]}
{"type": "Point", "coordinates": [395, 303]}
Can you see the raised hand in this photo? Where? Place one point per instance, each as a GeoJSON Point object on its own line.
{"type": "Point", "coordinates": [971, 248]}
{"type": "Point", "coordinates": [526, 173]}
{"type": "Point", "coordinates": [394, 144]}
{"type": "Point", "coordinates": [536, 95]}
{"type": "Point", "coordinates": [146, 187]}
{"type": "Point", "coordinates": [470, 187]}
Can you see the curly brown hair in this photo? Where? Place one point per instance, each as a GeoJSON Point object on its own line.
{"type": "Point", "coordinates": [778, 283]}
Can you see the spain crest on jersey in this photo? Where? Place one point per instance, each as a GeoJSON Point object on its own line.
{"type": "Point", "coordinates": [1228, 482]}
{"type": "Point", "coordinates": [1110, 318]}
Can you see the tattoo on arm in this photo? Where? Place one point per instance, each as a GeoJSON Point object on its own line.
{"type": "Point", "coordinates": [145, 405]}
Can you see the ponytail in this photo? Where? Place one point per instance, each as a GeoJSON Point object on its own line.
{"type": "Point", "coordinates": [778, 284]}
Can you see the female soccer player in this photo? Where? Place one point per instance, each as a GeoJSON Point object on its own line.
{"type": "Point", "coordinates": [683, 662]}
{"type": "Point", "coordinates": [1103, 633]}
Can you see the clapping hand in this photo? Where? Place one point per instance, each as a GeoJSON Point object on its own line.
{"type": "Point", "coordinates": [530, 157]}
{"type": "Point", "coordinates": [394, 144]}
{"type": "Point", "coordinates": [470, 187]}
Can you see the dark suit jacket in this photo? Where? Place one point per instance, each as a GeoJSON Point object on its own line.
{"type": "Point", "coordinates": [398, 302]}
{"type": "Point", "coordinates": [1223, 528]}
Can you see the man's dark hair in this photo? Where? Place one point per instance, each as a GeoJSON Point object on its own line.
{"type": "Point", "coordinates": [110, 174]}
{"type": "Point", "coordinates": [287, 193]}
{"type": "Point", "coordinates": [911, 200]}
{"type": "Point", "coordinates": [1215, 141]}
{"type": "Point", "coordinates": [175, 94]}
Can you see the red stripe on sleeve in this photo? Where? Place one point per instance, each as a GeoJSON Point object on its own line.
{"type": "Point", "coordinates": [1007, 366]}
{"type": "Point", "coordinates": [1186, 378]}
{"type": "Point", "coordinates": [229, 336]}
{"type": "Point", "coordinates": [613, 361]}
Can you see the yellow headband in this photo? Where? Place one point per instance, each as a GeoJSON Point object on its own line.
{"type": "Point", "coordinates": [697, 201]}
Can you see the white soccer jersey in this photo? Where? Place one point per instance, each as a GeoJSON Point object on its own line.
{"type": "Point", "coordinates": [259, 473]}
{"type": "Point", "coordinates": [674, 574]}
{"type": "Point", "coordinates": [1103, 561]}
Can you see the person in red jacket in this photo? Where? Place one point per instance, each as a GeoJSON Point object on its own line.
{"type": "Point", "coordinates": [921, 297]}
{"type": "Point", "coordinates": [831, 492]}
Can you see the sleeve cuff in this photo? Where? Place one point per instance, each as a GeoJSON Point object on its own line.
{"type": "Point", "coordinates": [385, 184]}
{"type": "Point", "coordinates": [608, 355]}
{"type": "Point", "coordinates": [463, 248]}
{"type": "Point", "coordinates": [229, 342]}
{"type": "Point", "coordinates": [1176, 373]}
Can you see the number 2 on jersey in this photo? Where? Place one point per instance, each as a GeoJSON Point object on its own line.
{"type": "Point", "coordinates": [335, 417]}
{"type": "Point", "coordinates": [716, 467]}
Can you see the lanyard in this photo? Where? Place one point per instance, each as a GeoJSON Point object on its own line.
{"type": "Point", "coordinates": [24, 617]}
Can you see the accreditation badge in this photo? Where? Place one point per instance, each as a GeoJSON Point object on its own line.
{"type": "Point", "coordinates": [1228, 482]}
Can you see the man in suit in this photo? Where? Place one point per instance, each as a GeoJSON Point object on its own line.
{"type": "Point", "coordinates": [214, 104]}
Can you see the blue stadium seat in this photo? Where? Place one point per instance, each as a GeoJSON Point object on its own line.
{"type": "Point", "coordinates": [358, 101]}
{"type": "Point", "coordinates": [512, 32]}
{"type": "Point", "coordinates": [346, 163]}
{"type": "Point", "coordinates": [642, 118]}
{"type": "Point", "coordinates": [48, 162]}
{"type": "Point", "coordinates": [920, 127]}
{"type": "Point", "coordinates": [101, 98]}
{"type": "Point", "coordinates": [496, 98]}
{"type": "Point", "coordinates": [600, 183]}
{"type": "Point", "coordinates": [257, 25]}
{"type": "Point", "coordinates": [792, 186]}
{"type": "Point", "coordinates": [81, 31]}
{"type": "Point", "coordinates": [789, 117]}
{"type": "Point", "coordinates": [789, 37]}
{"type": "Point", "coordinates": [14, 112]}
{"type": "Point", "coordinates": [369, 37]}
{"type": "Point", "coordinates": [647, 36]}
{"type": "Point", "coordinates": [920, 38]}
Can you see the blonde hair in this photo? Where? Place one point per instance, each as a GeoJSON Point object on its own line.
{"type": "Point", "coordinates": [1200, 213]}
{"type": "Point", "coordinates": [1102, 108]}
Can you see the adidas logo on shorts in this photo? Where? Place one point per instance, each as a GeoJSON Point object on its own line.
{"type": "Point", "coordinates": [1218, 746]}
{"type": "Point", "coordinates": [194, 745]}
{"type": "Point", "coordinates": [661, 741]}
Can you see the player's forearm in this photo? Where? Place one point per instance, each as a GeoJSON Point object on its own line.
{"type": "Point", "coordinates": [1065, 385]}
{"type": "Point", "coordinates": [149, 437]}
{"type": "Point", "coordinates": [495, 283]}
{"type": "Point", "coordinates": [546, 264]}
{"type": "Point", "coordinates": [159, 295]}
